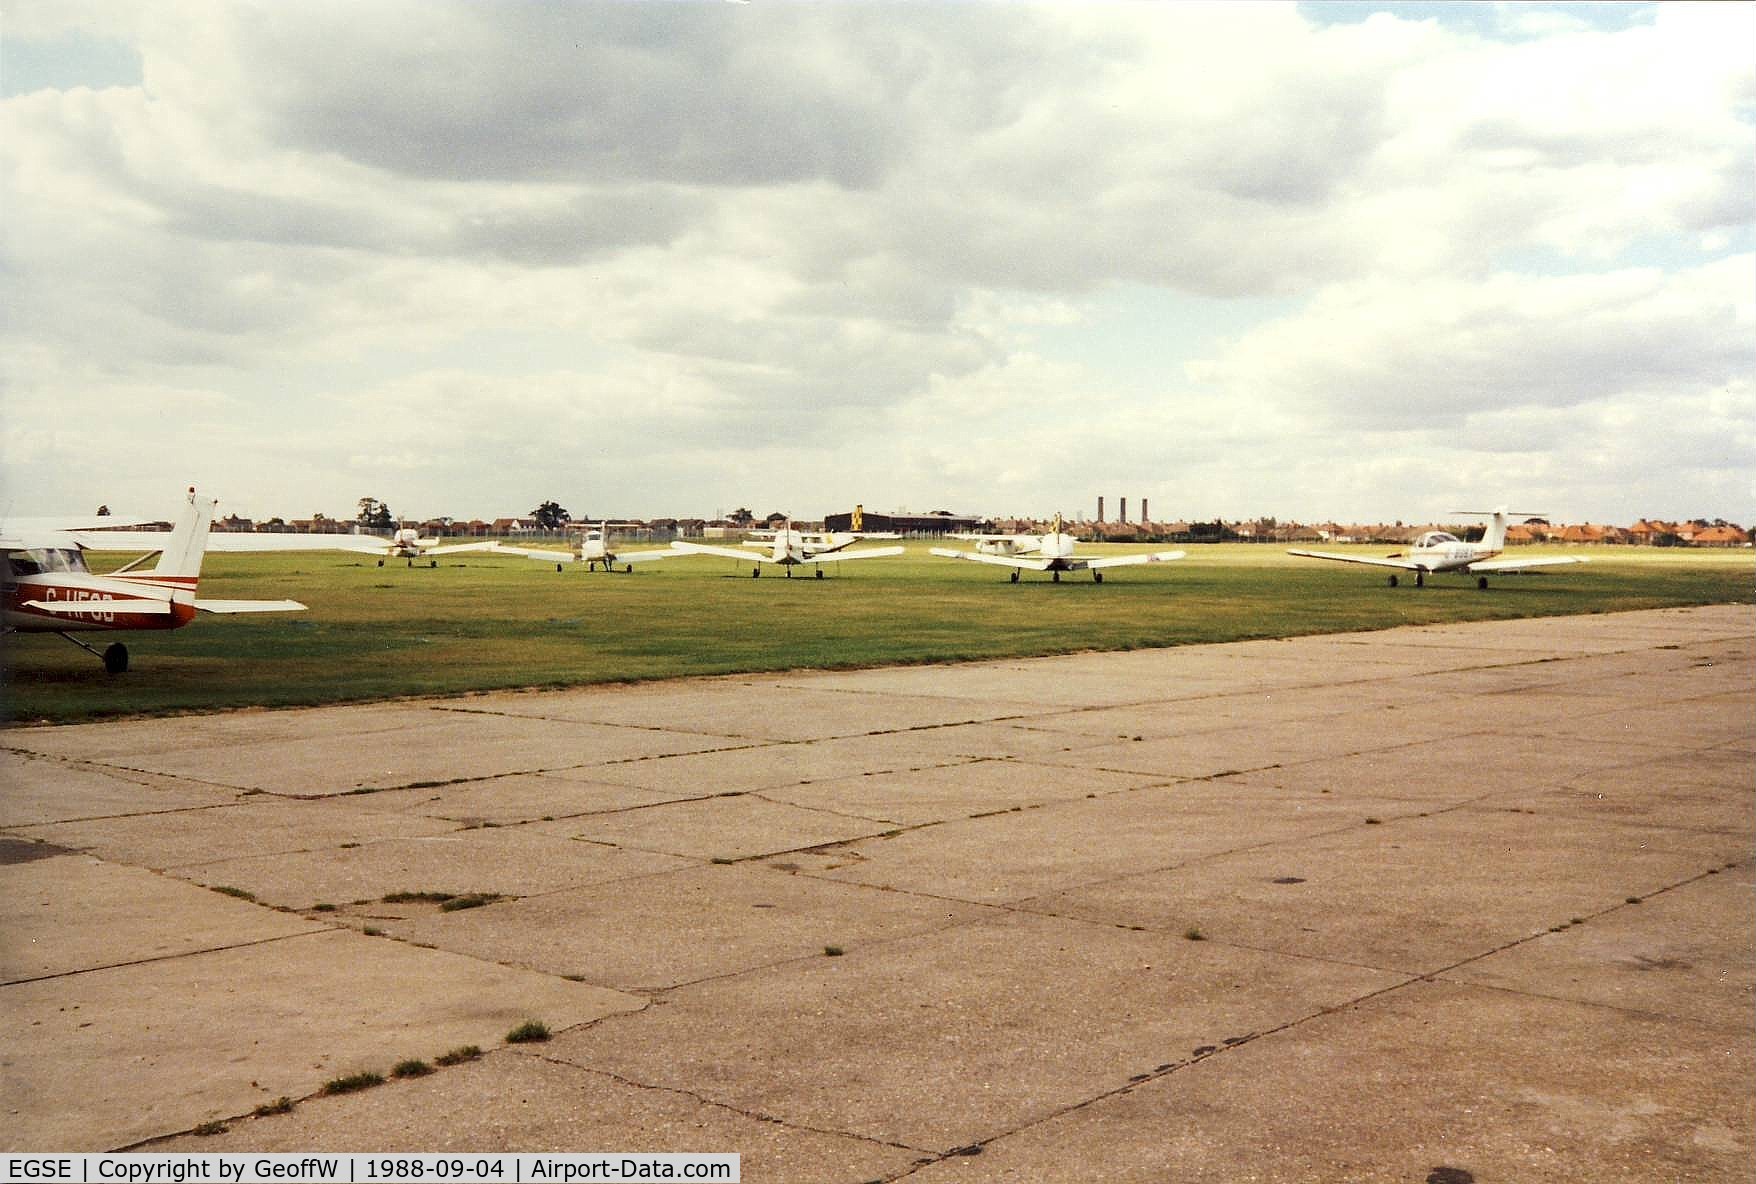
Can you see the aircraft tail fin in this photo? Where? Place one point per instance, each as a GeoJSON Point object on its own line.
{"type": "Point", "coordinates": [184, 550]}
{"type": "Point", "coordinates": [1494, 537]}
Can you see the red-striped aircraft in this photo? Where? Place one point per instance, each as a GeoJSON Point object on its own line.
{"type": "Point", "coordinates": [48, 588]}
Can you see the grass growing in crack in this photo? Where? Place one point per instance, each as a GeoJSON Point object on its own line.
{"type": "Point", "coordinates": [529, 1032]}
{"type": "Point", "coordinates": [473, 900]}
{"type": "Point", "coordinates": [411, 1068]}
{"type": "Point", "coordinates": [458, 1055]}
{"type": "Point", "coordinates": [281, 1105]}
{"type": "Point", "coordinates": [833, 951]}
{"type": "Point", "coordinates": [228, 890]}
{"type": "Point", "coordinates": [215, 1127]}
{"type": "Point", "coordinates": [353, 1082]}
{"type": "Point", "coordinates": [1193, 933]}
{"type": "Point", "coordinates": [418, 897]}
{"type": "Point", "coordinates": [323, 907]}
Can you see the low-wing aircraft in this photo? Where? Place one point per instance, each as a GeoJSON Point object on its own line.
{"type": "Point", "coordinates": [1438, 551]}
{"type": "Point", "coordinates": [788, 549]}
{"type": "Point", "coordinates": [408, 544]}
{"type": "Point", "coordinates": [1051, 552]}
{"type": "Point", "coordinates": [48, 588]}
{"type": "Point", "coordinates": [592, 549]}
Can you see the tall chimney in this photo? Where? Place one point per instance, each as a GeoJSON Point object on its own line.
{"type": "Point", "coordinates": [1122, 514]}
{"type": "Point", "coordinates": [1145, 518]}
{"type": "Point", "coordinates": [1100, 508]}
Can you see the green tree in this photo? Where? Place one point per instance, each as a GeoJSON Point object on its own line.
{"type": "Point", "coordinates": [375, 515]}
{"type": "Point", "coordinates": [550, 516]}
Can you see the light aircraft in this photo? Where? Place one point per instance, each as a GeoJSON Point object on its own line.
{"type": "Point", "coordinates": [408, 544]}
{"type": "Point", "coordinates": [48, 588]}
{"type": "Point", "coordinates": [821, 542]}
{"type": "Point", "coordinates": [592, 549]}
{"type": "Point", "coordinates": [1051, 552]}
{"type": "Point", "coordinates": [1439, 551]}
{"type": "Point", "coordinates": [788, 549]}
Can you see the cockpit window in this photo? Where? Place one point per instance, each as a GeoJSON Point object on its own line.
{"type": "Point", "coordinates": [41, 560]}
{"type": "Point", "coordinates": [1437, 538]}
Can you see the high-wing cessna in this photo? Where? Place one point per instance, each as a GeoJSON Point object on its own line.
{"type": "Point", "coordinates": [592, 549]}
{"type": "Point", "coordinates": [1051, 552]}
{"type": "Point", "coordinates": [789, 549]}
{"type": "Point", "coordinates": [49, 589]}
{"type": "Point", "coordinates": [1438, 551]}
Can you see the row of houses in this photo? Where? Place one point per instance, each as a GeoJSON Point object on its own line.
{"type": "Point", "coordinates": [1646, 532]}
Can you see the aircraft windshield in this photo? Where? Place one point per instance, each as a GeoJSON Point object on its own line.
{"type": "Point", "coordinates": [41, 560]}
{"type": "Point", "coordinates": [1437, 538]}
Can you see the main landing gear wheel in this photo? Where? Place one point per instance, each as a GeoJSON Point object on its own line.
{"type": "Point", "coordinates": [1481, 581]}
{"type": "Point", "coordinates": [433, 563]}
{"type": "Point", "coordinates": [1097, 577]}
{"type": "Point", "coordinates": [820, 573]}
{"type": "Point", "coordinates": [1420, 579]}
{"type": "Point", "coordinates": [1057, 576]}
{"type": "Point", "coordinates": [381, 563]}
{"type": "Point", "coordinates": [754, 572]}
{"type": "Point", "coordinates": [557, 567]}
{"type": "Point", "coordinates": [116, 658]}
{"type": "Point", "coordinates": [1393, 581]}
{"type": "Point", "coordinates": [1015, 577]}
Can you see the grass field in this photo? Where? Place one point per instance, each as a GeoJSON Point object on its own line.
{"type": "Point", "coordinates": [484, 623]}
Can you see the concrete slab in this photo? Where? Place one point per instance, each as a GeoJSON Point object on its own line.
{"type": "Point", "coordinates": [938, 1041]}
{"type": "Point", "coordinates": [124, 915]}
{"type": "Point", "coordinates": [443, 747]}
{"type": "Point", "coordinates": [767, 765]}
{"type": "Point", "coordinates": [36, 789]}
{"type": "Point", "coordinates": [243, 827]}
{"type": "Point", "coordinates": [510, 861]}
{"type": "Point", "coordinates": [1028, 853]}
{"type": "Point", "coordinates": [185, 1040]}
{"type": "Point", "coordinates": [954, 791]}
{"type": "Point", "coordinates": [540, 1105]}
{"type": "Point", "coordinates": [1435, 1082]}
{"type": "Point", "coordinates": [749, 709]}
{"type": "Point", "coordinates": [1683, 952]}
{"type": "Point", "coordinates": [737, 827]}
{"type": "Point", "coordinates": [1389, 894]}
{"type": "Point", "coordinates": [519, 797]}
{"type": "Point", "coordinates": [717, 921]}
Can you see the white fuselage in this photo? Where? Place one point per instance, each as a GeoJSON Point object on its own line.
{"type": "Point", "coordinates": [56, 572]}
{"type": "Point", "coordinates": [1439, 551]}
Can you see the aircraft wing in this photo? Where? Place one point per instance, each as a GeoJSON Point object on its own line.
{"type": "Point", "coordinates": [459, 548]}
{"type": "Point", "coordinates": [838, 556]}
{"type": "Point", "coordinates": [230, 541]}
{"type": "Point", "coordinates": [1373, 560]}
{"type": "Point", "coordinates": [1492, 565]}
{"type": "Point", "coordinates": [723, 552]}
{"type": "Point", "coordinates": [82, 608]}
{"type": "Point", "coordinates": [1132, 560]}
{"type": "Point", "coordinates": [1027, 564]}
{"type": "Point", "coordinates": [643, 556]}
{"type": "Point", "coordinates": [249, 606]}
{"type": "Point", "coordinates": [543, 553]}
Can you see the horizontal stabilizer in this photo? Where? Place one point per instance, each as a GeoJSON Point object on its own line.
{"type": "Point", "coordinates": [71, 608]}
{"type": "Point", "coordinates": [249, 606]}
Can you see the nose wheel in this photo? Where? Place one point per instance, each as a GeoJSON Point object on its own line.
{"type": "Point", "coordinates": [116, 658]}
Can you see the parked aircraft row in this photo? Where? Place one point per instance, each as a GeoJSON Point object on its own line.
{"type": "Point", "coordinates": [50, 589]}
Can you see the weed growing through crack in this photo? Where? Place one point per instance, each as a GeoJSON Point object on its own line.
{"type": "Point", "coordinates": [833, 951]}
{"type": "Point", "coordinates": [418, 897]}
{"type": "Point", "coordinates": [411, 1068]}
{"type": "Point", "coordinates": [1193, 933]}
{"type": "Point", "coordinates": [529, 1032]}
{"type": "Point", "coordinates": [353, 1082]}
{"type": "Point", "coordinates": [473, 900]}
{"type": "Point", "coordinates": [281, 1105]}
{"type": "Point", "coordinates": [228, 890]}
{"type": "Point", "coordinates": [458, 1055]}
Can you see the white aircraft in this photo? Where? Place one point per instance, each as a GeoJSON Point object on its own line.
{"type": "Point", "coordinates": [48, 588]}
{"type": "Point", "coordinates": [1051, 552]}
{"type": "Point", "coordinates": [1439, 551]}
{"type": "Point", "coordinates": [788, 549]}
{"type": "Point", "coordinates": [408, 544]}
{"type": "Point", "coordinates": [821, 542]}
{"type": "Point", "coordinates": [592, 549]}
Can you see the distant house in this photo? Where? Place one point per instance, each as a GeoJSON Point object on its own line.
{"type": "Point", "coordinates": [512, 526]}
{"type": "Point", "coordinates": [1721, 536]}
{"type": "Point", "coordinates": [231, 522]}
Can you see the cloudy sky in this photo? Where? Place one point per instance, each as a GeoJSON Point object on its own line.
{"type": "Point", "coordinates": [1348, 260]}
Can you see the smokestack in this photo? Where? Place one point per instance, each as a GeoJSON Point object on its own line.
{"type": "Point", "coordinates": [1145, 518]}
{"type": "Point", "coordinates": [1122, 514]}
{"type": "Point", "coordinates": [1100, 508]}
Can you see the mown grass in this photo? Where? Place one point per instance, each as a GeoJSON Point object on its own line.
{"type": "Point", "coordinates": [490, 623]}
